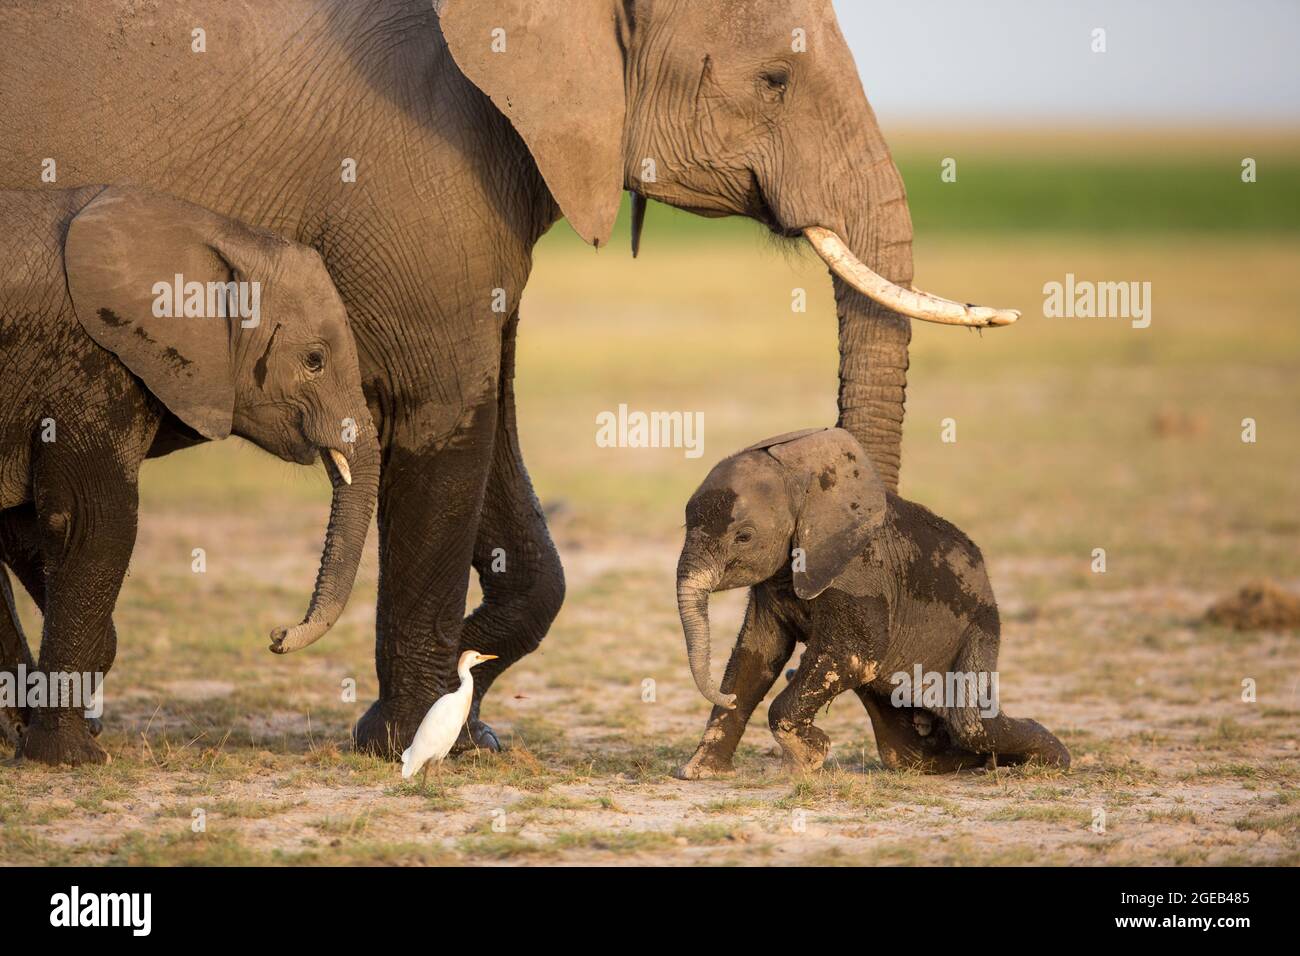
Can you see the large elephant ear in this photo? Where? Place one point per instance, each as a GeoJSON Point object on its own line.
{"type": "Point", "coordinates": [555, 68]}
{"type": "Point", "coordinates": [123, 255]}
{"type": "Point", "coordinates": [843, 503]}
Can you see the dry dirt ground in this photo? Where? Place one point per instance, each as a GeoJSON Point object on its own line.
{"type": "Point", "coordinates": [224, 753]}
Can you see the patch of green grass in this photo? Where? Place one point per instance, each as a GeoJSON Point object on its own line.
{"type": "Point", "coordinates": [96, 799]}
{"type": "Point", "coordinates": [344, 826]}
{"type": "Point", "coordinates": [22, 846]}
{"type": "Point", "coordinates": [557, 801]}
{"type": "Point", "coordinates": [370, 854]}
{"type": "Point", "coordinates": [501, 846]}
{"type": "Point", "coordinates": [1226, 731]}
{"type": "Point", "coordinates": [709, 834]}
{"type": "Point", "coordinates": [733, 805]}
{"type": "Point", "coordinates": [1234, 770]}
{"type": "Point", "coordinates": [1172, 815]}
{"type": "Point", "coordinates": [185, 848]}
{"type": "Point", "coordinates": [612, 841]}
{"type": "Point", "coordinates": [1074, 816]}
{"type": "Point", "coordinates": [1287, 824]}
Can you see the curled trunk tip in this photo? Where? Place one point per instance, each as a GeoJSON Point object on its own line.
{"type": "Point", "coordinates": [693, 607]}
{"type": "Point", "coordinates": [351, 507]}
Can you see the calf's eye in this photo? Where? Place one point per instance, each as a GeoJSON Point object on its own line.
{"type": "Point", "coordinates": [744, 537]}
{"type": "Point", "coordinates": [314, 362]}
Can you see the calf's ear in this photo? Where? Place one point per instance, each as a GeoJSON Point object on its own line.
{"type": "Point", "coordinates": [840, 502]}
{"type": "Point", "coordinates": [122, 255]}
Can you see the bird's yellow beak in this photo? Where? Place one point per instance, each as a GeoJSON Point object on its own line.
{"type": "Point", "coordinates": [487, 657]}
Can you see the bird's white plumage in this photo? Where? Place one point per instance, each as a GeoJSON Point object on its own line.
{"type": "Point", "coordinates": [441, 725]}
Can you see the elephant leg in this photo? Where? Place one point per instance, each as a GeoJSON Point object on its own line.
{"type": "Point", "coordinates": [20, 549]}
{"type": "Point", "coordinates": [1010, 741]}
{"type": "Point", "coordinates": [902, 748]}
{"type": "Point", "coordinates": [762, 648]}
{"type": "Point", "coordinates": [819, 680]}
{"type": "Point", "coordinates": [14, 653]}
{"type": "Point", "coordinates": [87, 522]}
{"type": "Point", "coordinates": [518, 567]}
{"type": "Point", "coordinates": [429, 507]}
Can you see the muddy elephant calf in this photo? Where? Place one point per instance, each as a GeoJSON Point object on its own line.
{"type": "Point", "coordinates": [877, 588]}
{"type": "Point", "coordinates": [125, 313]}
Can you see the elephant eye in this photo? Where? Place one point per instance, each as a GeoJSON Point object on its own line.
{"type": "Point", "coordinates": [744, 537]}
{"type": "Point", "coordinates": [778, 81]}
{"type": "Point", "coordinates": [314, 361]}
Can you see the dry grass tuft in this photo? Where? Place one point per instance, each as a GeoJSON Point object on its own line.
{"type": "Point", "coordinates": [1259, 606]}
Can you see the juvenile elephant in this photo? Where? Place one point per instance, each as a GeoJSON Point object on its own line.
{"type": "Point", "coordinates": [121, 308]}
{"type": "Point", "coordinates": [874, 585]}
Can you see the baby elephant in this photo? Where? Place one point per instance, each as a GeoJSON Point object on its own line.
{"type": "Point", "coordinates": [132, 323]}
{"type": "Point", "coordinates": [878, 588]}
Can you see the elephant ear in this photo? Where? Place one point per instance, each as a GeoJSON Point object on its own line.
{"type": "Point", "coordinates": [123, 254]}
{"type": "Point", "coordinates": [555, 69]}
{"type": "Point", "coordinates": [842, 503]}
{"type": "Point", "coordinates": [782, 439]}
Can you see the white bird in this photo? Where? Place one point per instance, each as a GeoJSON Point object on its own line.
{"type": "Point", "coordinates": [441, 725]}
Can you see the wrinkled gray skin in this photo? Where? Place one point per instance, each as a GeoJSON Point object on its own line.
{"type": "Point", "coordinates": [883, 585]}
{"type": "Point", "coordinates": [464, 158]}
{"type": "Point", "coordinates": [90, 375]}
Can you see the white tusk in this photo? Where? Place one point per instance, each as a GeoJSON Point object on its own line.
{"type": "Point", "coordinates": [341, 464]}
{"type": "Point", "coordinates": [909, 302]}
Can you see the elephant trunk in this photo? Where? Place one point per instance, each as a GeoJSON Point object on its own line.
{"type": "Point", "coordinates": [351, 507]}
{"type": "Point", "coordinates": [863, 231]}
{"type": "Point", "coordinates": [873, 378]}
{"type": "Point", "coordinates": [693, 606]}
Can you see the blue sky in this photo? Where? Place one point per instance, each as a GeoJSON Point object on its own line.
{"type": "Point", "coordinates": [1178, 61]}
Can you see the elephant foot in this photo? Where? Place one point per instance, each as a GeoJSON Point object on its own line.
{"type": "Point", "coordinates": [1011, 742]}
{"type": "Point", "coordinates": [705, 765]}
{"type": "Point", "coordinates": [61, 742]}
{"type": "Point", "coordinates": [476, 735]}
{"type": "Point", "coordinates": [1046, 749]}
{"type": "Point", "coordinates": [383, 732]}
{"type": "Point", "coordinates": [804, 750]}
{"type": "Point", "coordinates": [1050, 750]}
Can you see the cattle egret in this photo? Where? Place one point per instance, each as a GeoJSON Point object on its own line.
{"type": "Point", "coordinates": [441, 725]}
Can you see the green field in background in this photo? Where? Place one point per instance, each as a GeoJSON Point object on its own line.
{"type": "Point", "coordinates": [1103, 197]}
{"type": "Point", "coordinates": [1133, 195]}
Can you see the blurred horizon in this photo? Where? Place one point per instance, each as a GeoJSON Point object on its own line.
{"type": "Point", "coordinates": [1115, 182]}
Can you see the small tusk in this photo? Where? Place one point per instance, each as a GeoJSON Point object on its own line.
{"type": "Point", "coordinates": [638, 222]}
{"type": "Point", "coordinates": [910, 302]}
{"type": "Point", "coordinates": [341, 464]}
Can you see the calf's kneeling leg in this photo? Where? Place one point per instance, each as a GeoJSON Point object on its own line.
{"type": "Point", "coordinates": [819, 680]}
{"type": "Point", "coordinates": [1008, 740]}
{"type": "Point", "coordinates": [901, 747]}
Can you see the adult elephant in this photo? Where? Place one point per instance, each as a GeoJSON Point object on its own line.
{"type": "Point", "coordinates": [424, 150]}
